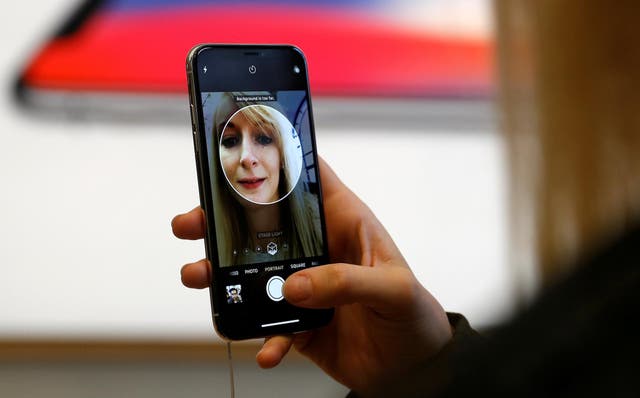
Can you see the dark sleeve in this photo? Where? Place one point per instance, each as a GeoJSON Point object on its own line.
{"type": "Point", "coordinates": [439, 372]}
{"type": "Point", "coordinates": [434, 376]}
{"type": "Point", "coordinates": [580, 338]}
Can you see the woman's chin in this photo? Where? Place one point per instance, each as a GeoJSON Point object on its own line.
{"type": "Point", "coordinates": [252, 198]}
{"type": "Point", "coordinates": [256, 199]}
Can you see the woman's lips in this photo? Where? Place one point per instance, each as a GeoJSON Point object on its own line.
{"type": "Point", "coordinates": [251, 183]}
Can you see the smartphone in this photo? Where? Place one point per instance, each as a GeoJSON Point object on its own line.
{"type": "Point", "coordinates": [259, 184]}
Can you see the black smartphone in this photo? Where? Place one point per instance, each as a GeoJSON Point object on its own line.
{"type": "Point", "coordinates": [259, 184]}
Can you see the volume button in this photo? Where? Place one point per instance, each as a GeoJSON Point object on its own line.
{"type": "Point", "coordinates": [196, 144]}
{"type": "Point", "coordinates": [194, 130]}
{"type": "Point", "coordinates": [193, 117]}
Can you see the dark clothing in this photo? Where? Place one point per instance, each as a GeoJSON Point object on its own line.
{"type": "Point", "coordinates": [580, 338]}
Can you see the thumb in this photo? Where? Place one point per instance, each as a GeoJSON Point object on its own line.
{"type": "Point", "coordinates": [391, 290]}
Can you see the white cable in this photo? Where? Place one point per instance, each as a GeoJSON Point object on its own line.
{"type": "Point", "coordinates": [230, 362]}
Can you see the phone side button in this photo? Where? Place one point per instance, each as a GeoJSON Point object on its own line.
{"type": "Point", "coordinates": [196, 144]}
{"type": "Point", "coordinates": [192, 113]}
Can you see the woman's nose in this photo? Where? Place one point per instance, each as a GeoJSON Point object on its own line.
{"type": "Point", "coordinates": [247, 157]}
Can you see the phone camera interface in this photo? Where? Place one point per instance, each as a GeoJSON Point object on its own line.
{"type": "Point", "coordinates": [265, 190]}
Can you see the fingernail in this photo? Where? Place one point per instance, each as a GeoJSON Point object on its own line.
{"type": "Point", "coordinates": [298, 288]}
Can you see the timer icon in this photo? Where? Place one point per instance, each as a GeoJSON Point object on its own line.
{"type": "Point", "coordinates": [252, 69]}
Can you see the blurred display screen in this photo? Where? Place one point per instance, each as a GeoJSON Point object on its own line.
{"type": "Point", "coordinates": [420, 48]}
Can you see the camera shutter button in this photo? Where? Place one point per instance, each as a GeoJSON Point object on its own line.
{"type": "Point", "coordinates": [274, 288]}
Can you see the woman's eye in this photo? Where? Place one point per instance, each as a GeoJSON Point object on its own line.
{"type": "Point", "coordinates": [264, 139]}
{"type": "Point", "coordinates": [229, 142]}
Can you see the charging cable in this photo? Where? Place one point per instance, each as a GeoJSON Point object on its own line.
{"type": "Point", "coordinates": [232, 382]}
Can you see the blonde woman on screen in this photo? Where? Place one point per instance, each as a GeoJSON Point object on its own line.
{"type": "Point", "coordinates": [255, 177]}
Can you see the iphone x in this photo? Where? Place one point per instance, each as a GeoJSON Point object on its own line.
{"type": "Point", "coordinates": [259, 184]}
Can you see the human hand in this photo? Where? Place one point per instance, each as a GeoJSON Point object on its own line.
{"type": "Point", "coordinates": [385, 324]}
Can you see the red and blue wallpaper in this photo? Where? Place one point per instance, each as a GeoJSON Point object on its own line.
{"type": "Point", "coordinates": [354, 47]}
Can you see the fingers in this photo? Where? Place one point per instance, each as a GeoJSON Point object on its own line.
{"type": "Point", "coordinates": [189, 225]}
{"type": "Point", "coordinates": [387, 290]}
{"type": "Point", "coordinates": [196, 275]}
{"type": "Point", "coordinates": [274, 349]}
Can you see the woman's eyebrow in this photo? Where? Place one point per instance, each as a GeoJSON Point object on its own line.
{"type": "Point", "coordinates": [229, 125]}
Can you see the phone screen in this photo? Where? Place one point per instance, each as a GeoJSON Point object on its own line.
{"type": "Point", "coordinates": [259, 184]}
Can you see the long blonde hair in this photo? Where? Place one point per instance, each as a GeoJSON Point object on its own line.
{"type": "Point", "coordinates": [300, 209]}
{"type": "Point", "coordinates": [570, 74]}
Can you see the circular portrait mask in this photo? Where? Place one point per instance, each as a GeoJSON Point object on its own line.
{"type": "Point", "coordinates": [260, 153]}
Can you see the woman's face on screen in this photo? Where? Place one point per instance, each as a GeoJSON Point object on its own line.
{"type": "Point", "coordinates": [251, 160]}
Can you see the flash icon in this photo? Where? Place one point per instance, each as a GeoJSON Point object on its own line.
{"type": "Point", "coordinates": [204, 69]}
